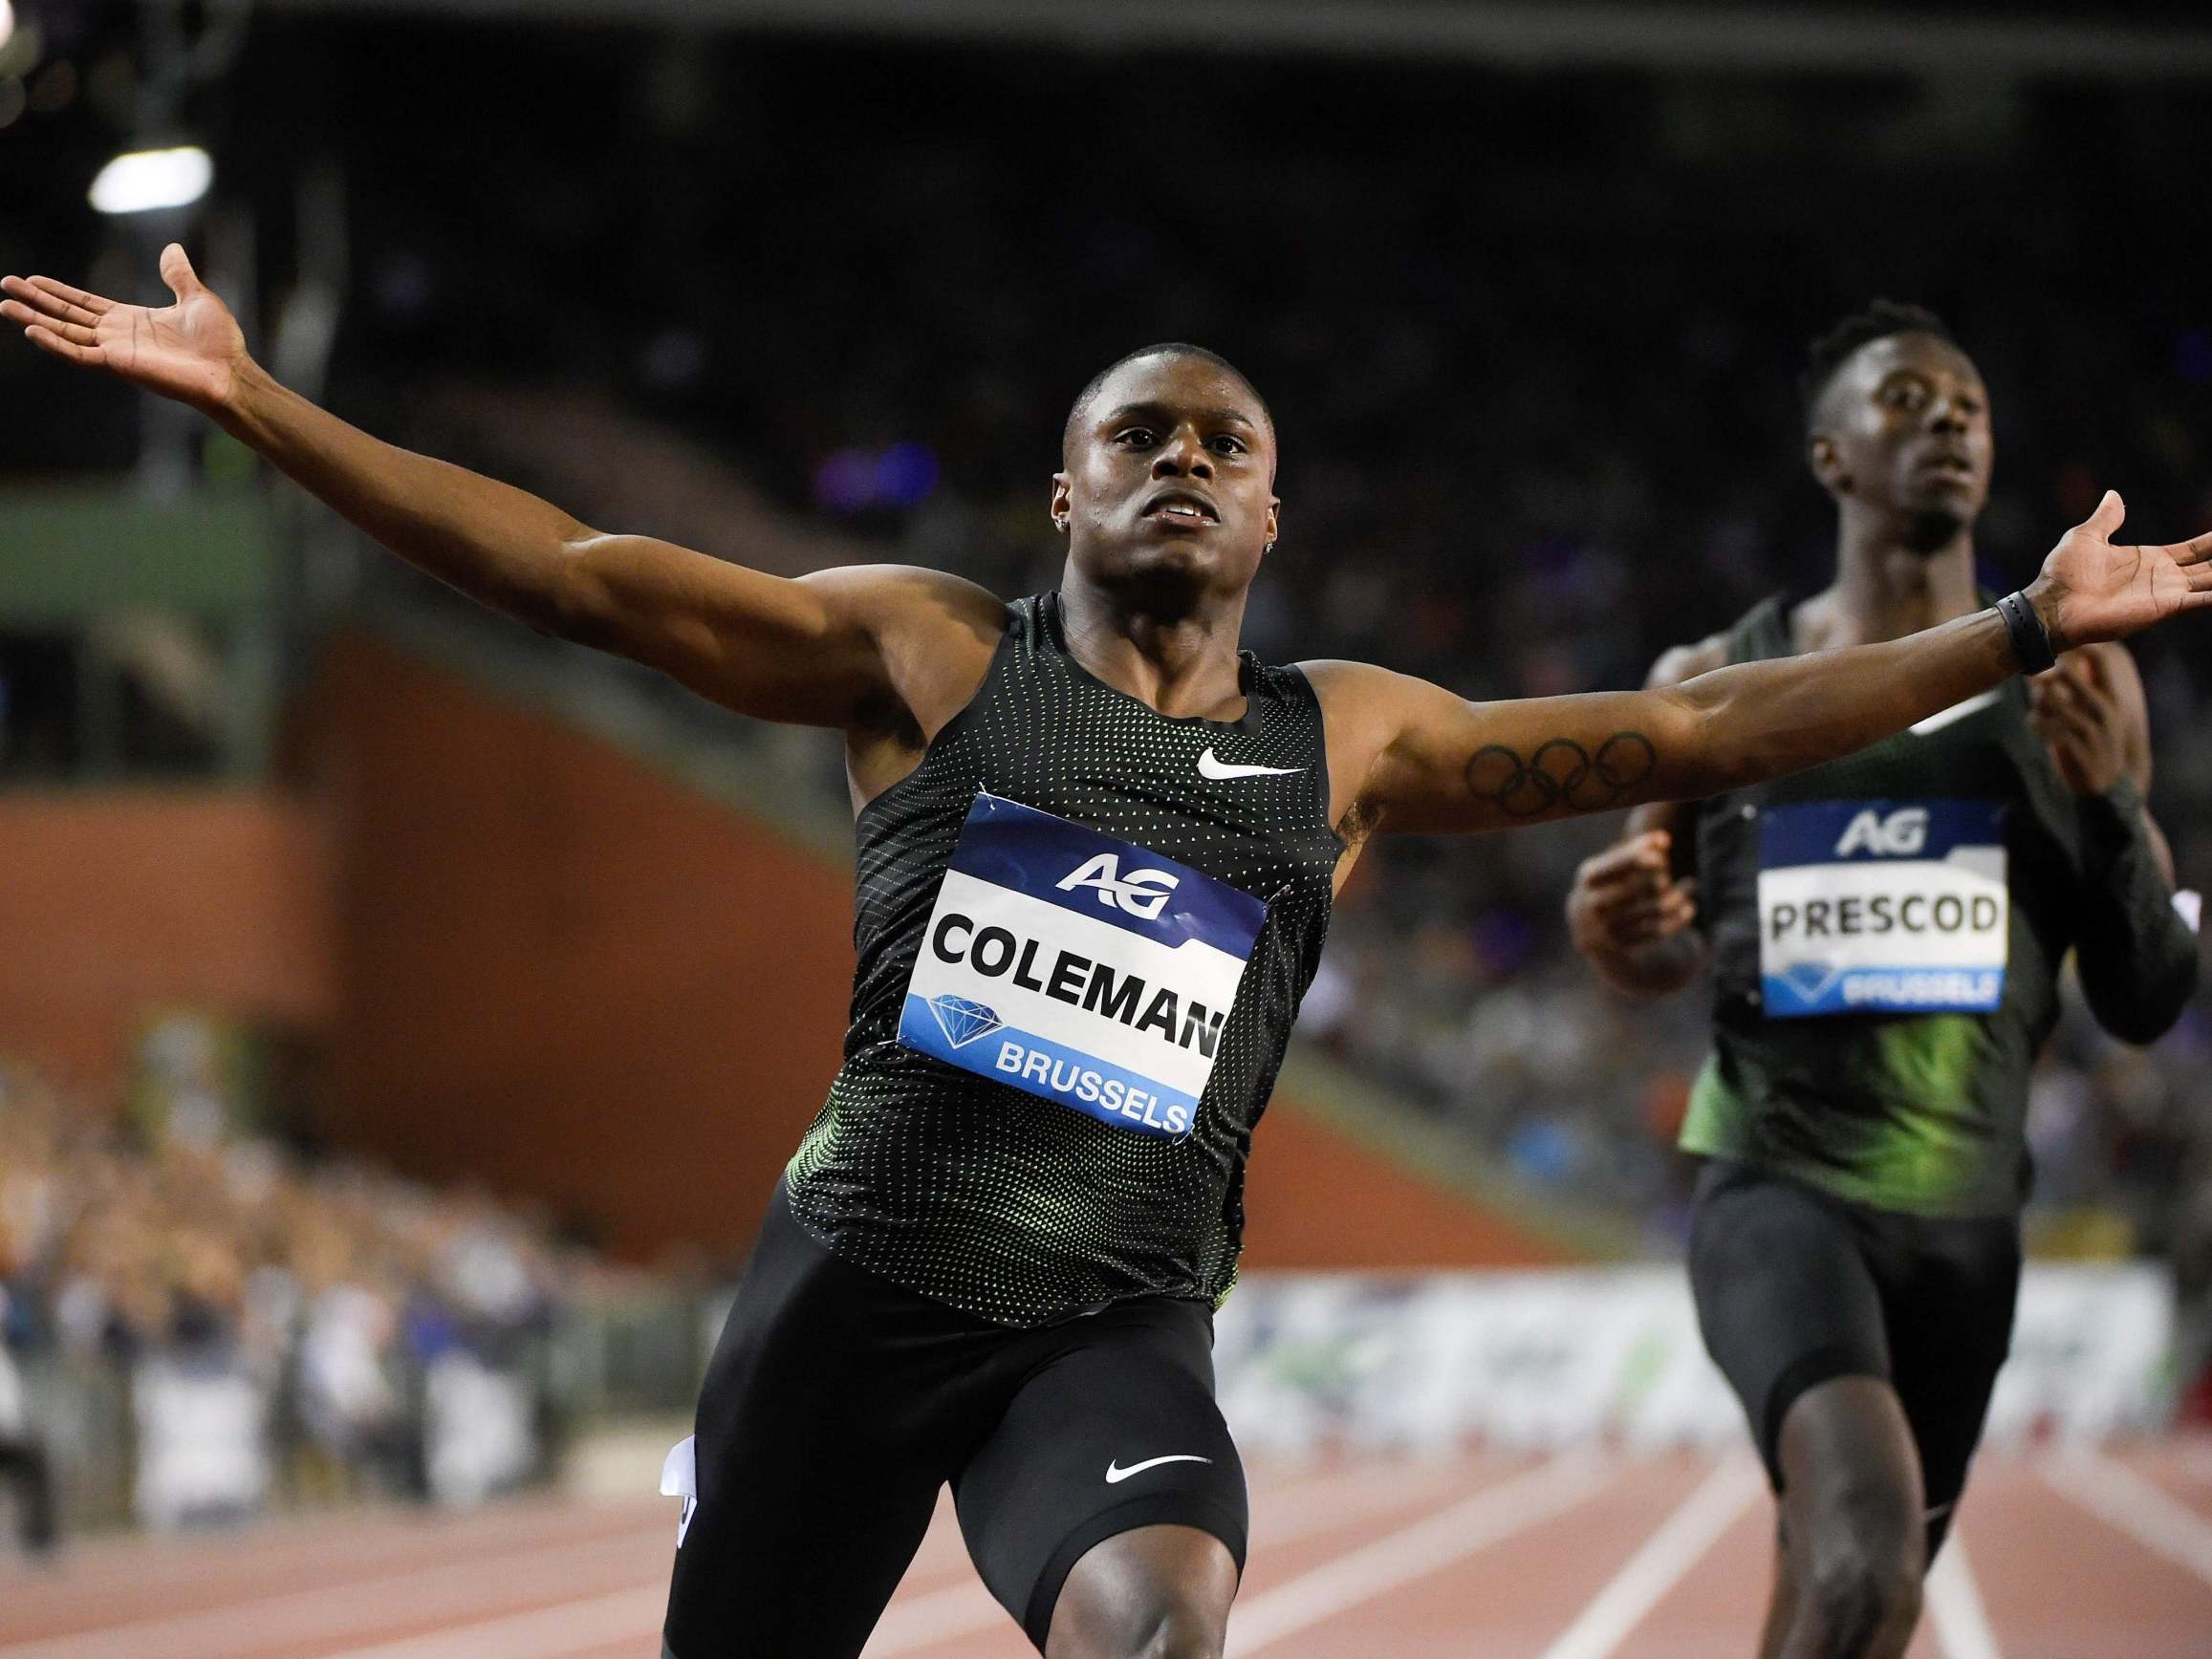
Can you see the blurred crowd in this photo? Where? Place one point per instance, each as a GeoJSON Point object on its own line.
{"type": "Point", "coordinates": [199, 1325]}
{"type": "Point", "coordinates": [1538, 419]}
{"type": "Point", "coordinates": [1538, 422]}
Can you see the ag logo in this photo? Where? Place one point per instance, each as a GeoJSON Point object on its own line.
{"type": "Point", "coordinates": [1141, 893]}
{"type": "Point", "coordinates": [1899, 835]}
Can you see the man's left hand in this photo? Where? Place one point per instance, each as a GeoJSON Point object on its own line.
{"type": "Point", "coordinates": [2077, 711]}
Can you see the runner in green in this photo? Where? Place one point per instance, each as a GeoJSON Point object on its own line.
{"type": "Point", "coordinates": [1884, 934]}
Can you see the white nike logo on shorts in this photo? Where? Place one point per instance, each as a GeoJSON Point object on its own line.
{"type": "Point", "coordinates": [1116, 1475]}
{"type": "Point", "coordinates": [1216, 769]}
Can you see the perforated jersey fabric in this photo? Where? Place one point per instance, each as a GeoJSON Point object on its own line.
{"type": "Point", "coordinates": [1001, 1203]}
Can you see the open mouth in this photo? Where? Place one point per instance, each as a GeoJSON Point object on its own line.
{"type": "Point", "coordinates": [1177, 506]}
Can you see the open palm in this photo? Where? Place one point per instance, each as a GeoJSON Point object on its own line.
{"type": "Point", "coordinates": [2092, 587]}
{"type": "Point", "coordinates": [190, 351]}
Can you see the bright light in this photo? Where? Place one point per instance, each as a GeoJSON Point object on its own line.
{"type": "Point", "coordinates": [7, 22]}
{"type": "Point", "coordinates": [147, 179]}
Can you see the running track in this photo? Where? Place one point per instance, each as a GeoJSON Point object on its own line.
{"type": "Point", "coordinates": [2066, 1556]}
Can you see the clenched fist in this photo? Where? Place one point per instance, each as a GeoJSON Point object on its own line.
{"type": "Point", "coordinates": [2076, 710]}
{"type": "Point", "coordinates": [1627, 897]}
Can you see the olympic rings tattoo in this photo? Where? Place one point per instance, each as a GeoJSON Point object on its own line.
{"type": "Point", "coordinates": [1560, 770]}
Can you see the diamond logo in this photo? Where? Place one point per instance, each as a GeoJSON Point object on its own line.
{"type": "Point", "coordinates": [961, 1021]}
{"type": "Point", "coordinates": [1811, 979]}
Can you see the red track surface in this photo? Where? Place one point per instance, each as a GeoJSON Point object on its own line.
{"type": "Point", "coordinates": [2096, 1557]}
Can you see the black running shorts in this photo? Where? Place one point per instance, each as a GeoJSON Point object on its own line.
{"type": "Point", "coordinates": [837, 1406]}
{"type": "Point", "coordinates": [1795, 1287]}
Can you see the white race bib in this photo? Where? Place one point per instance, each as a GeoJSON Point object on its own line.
{"type": "Point", "coordinates": [1081, 968]}
{"type": "Point", "coordinates": [1882, 906]}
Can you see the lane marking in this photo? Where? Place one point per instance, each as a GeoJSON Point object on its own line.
{"type": "Point", "coordinates": [914, 1620]}
{"type": "Point", "coordinates": [2124, 1500]}
{"type": "Point", "coordinates": [338, 1611]}
{"type": "Point", "coordinates": [939, 1616]}
{"type": "Point", "coordinates": [1489, 1516]}
{"type": "Point", "coordinates": [1325, 1507]}
{"type": "Point", "coordinates": [1954, 1605]}
{"type": "Point", "coordinates": [1666, 1557]}
{"type": "Point", "coordinates": [540, 1633]}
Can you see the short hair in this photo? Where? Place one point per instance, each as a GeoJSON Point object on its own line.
{"type": "Point", "coordinates": [1164, 349]}
{"type": "Point", "coordinates": [1879, 320]}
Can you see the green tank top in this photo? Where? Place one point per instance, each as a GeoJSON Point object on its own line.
{"type": "Point", "coordinates": [1887, 931]}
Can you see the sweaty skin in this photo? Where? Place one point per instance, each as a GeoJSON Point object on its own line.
{"type": "Point", "coordinates": [1168, 500]}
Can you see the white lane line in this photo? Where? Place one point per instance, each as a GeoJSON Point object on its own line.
{"type": "Point", "coordinates": [1954, 1605]}
{"type": "Point", "coordinates": [1667, 1555]}
{"type": "Point", "coordinates": [923, 1619]}
{"type": "Point", "coordinates": [1343, 1502]}
{"type": "Point", "coordinates": [541, 1633]}
{"type": "Point", "coordinates": [332, 1613]}
{"type": "Point", "coordinates": [1474, 1523]}
{"type": "Point", "coordinates": [2123, 1499]}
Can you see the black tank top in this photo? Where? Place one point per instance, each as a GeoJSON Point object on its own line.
{"type": "Point", "coordinates": [1920, 1113]}
{"type": "Point", "coordinates": [999, 1201]}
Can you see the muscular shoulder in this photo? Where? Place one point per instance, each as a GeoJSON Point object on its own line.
{"type": "Point", "coordinates": [1363, 709]}
{"type": "Point", "coordinates": [1362, 705]}
{"type": "Point", "coordinates": [895, 599]}
{"type": "Point", "coordinates": [934, 633]}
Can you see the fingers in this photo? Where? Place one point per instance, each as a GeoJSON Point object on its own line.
{"type": "Point", "coordinates": [1629, 870]}
{"type": "Point", "coordinates": [1646, 851]}
{"type": "Point", "coordinates": [24, 317]}
{"type": "Point", "coordinates": [2073, 699]}
{"type": "Point", "coordinates": [2087, 667]}
{"type": "Point", "coordinates": [2193, 552]}
{"type": "Point", "coordinates": [58, 300]}
{"type": "Point", "coordinates": [47, 340]}
{"type": "Point", "coordinates": [1659, 919]}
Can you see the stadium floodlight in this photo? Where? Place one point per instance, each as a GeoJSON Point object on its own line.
{"type": "Point", "coordinates": [139, 180]}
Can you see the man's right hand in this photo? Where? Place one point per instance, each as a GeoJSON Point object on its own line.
{"type": "Point", "coordinates": [1626, 898]}
{"type": "Point", "coordinates": [191, 351]}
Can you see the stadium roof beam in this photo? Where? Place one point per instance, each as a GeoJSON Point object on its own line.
{"type": "Point", "coordinates": [1516, 34]}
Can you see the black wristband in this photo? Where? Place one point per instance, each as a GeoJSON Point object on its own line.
{"type": "Point", "coordinates": [2031, 638]}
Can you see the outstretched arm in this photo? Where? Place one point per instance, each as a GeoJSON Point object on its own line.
{"type": "Point", "coordinates": [830, 649]}
{"type": "Point", "coordinates": [1412, 755]}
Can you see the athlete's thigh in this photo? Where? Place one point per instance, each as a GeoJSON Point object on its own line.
{"type": "Point", "coordinates": [1114, 1430]}
{"type": "Point", "coordinates": [1851, 1490]}
{"type": "Point", "coordinates": [1784, 1300]}
{"type": "Point", "coordinates": [1157, 1587]}
{"type": "Point", "coordinates": [1949, 1304]}
{"type": "Point", "coordinates": [830, 1417]}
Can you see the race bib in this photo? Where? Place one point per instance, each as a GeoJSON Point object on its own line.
{"type": "Point", "coordinates": [1882, 906]}
{"type": "Point", "coordinates": [1081, 968]}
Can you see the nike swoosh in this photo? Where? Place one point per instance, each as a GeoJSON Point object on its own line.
{"type": "Point", "coordinates": [1116, 1475]}
{"type": "Point", "coordinates": [1217, 770]}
